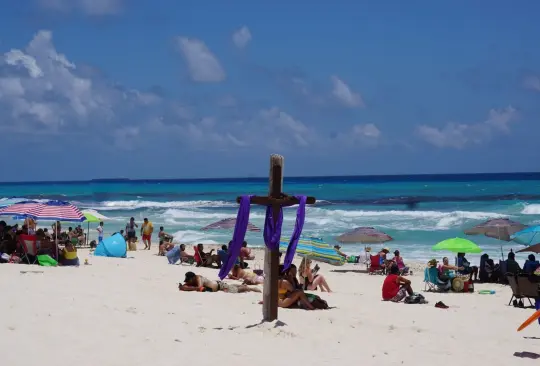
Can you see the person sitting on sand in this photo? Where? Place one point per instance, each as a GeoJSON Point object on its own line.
{"type": "Point", "coordinates": [467, 268]}
{"type": "Point", "coordinates": [79, 234]}
{"type": "Point", "coordinates": [310, 279]}
{"type": "Point", "coordinates": [208, 259]}
{"type": "Point", "coordinates": [398, 261]}
{"type": "Point", "coordinates": [245, 252]}
{"type": "Point", "coordinates": [178, 253]}
{"type": "Point", "coordinates": [193, 282]}
{"type": "Point", "coordinates": [447, 271]}
{"type": "Point", "coordinates": [289, 295]}
{"type": "Point", "coordinates": [165, 241]}
{"type": "Point", "coordinates": [395, 288]}
{"type": "Point", "coordinates": [68, 255]}
{"type": "Point", "coordinates": [250, 278]}
{"type": "Point", "coordinates": [338, 251]}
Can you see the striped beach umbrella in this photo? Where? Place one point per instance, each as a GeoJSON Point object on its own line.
{"type": "Point", "coordinates": [228, 224]}
{"type": "Point", "coordinates": [20, 209]}
{"type": "Point", "coordinates": [314, 249]}
{"type": "Point", "coordinates": [56, 211]}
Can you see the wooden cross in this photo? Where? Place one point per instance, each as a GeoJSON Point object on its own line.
{"type": "Point", "coordinates": [277, 199]}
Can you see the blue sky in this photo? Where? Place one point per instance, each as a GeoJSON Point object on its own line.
{"type": "Point", "coordinates": [180, 89]}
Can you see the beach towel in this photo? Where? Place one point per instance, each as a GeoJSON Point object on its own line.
{"type": "Point", "coordinates": [272, 232]}
{"type": "Point", "coordinates": [46, 260]}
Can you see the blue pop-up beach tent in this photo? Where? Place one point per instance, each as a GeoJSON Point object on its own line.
{"type": "Point", "coordinates": [113, 246]}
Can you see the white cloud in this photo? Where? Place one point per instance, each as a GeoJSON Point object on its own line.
{"type": "Point", "coordinates": [367, 130]}
{"type": "Point", "coordinates": [42, 89]}
{"type": "Point", "coordinates": [343, 93]}
{"type": "Point", "coordinates": [89, 7]}
{"type": "Point", "coordinates": [241, 37]}
{"type": "Point", "coordinates": [532, 82]}
{"type": "Point", "coordinates": [458, 136]}
{"type": "Point", "coordinates": [202, 64]}
{"type": "Point", "coordinates": [17, 57]}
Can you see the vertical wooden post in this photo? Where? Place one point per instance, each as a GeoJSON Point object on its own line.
{"type": "Point", "coordinates": [271, 257]}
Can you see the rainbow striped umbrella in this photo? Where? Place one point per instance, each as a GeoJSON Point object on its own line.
{"type": "Point", "coordinates": [315, 249]}
{"type": "Point", "coordinates": [229, 224]}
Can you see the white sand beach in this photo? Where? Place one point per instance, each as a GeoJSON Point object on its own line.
{"type": "Point", "coordinates": [130, 312]}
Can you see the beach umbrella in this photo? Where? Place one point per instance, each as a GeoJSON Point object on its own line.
{"type": "Point", "coordinates": [229, 224]}
{"type": "Point", "coordinates": [315, 249]}
{"type": "Point", "coordinates": [364, 235]}
{"type": "Point", "coordinates": [535, 248]}
{"type": "Point", "coordinates": [94, 217]}
{"type": "Point", "coordinates": [19, 210]}
{"type": "Point", "coordinates": [56, 211]}
{"type": "Point", "coordinates": [500, 229]}
{"type": "Point", "coordinates": [527, 235]}
{"type": "Point", "coordinates": [457, 245]}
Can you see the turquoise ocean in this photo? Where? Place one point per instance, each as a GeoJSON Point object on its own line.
{"type": "Point", "coordinates": [418, 211]}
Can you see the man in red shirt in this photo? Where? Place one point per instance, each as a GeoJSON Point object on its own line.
{"type": "Point", "coordinates": [395, 288]}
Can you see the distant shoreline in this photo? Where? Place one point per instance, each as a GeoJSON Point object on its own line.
{"type": "Point", "coordinates": [457, 177]}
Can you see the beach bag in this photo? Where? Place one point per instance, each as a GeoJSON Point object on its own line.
{"type": "Point", "coordinates": [317, 302]}
{"type": "Point", "coordinates": [257, 269]}
{"type": "Point", "coordinates": [46, 261]}
{"type": "Point", "coordinates": [352, 259]}
{"type": "Point", "coordinates": [132, 246]}
{"type": "Point", "coordinates": [415, 299]}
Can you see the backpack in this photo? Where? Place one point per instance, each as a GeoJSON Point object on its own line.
{"type": "Point", "coordinates": [415, 299]}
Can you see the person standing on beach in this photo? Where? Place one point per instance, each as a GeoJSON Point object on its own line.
{"type": "Point", "coordinates": [100, 232]}
{"type": "Point", "coordinates": [130, 230]}
{"type": "Point", "coordinates": [146, 232]}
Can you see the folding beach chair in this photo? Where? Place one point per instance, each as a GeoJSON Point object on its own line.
{"type": "Point", "coordinates": [375, 266]}
{"type": "Point", "coordinates": [433, 283]}
{"type": "Point", "coordinates": [29, 249]}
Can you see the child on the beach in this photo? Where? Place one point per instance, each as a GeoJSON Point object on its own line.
{"type": "Point", "coordinates": [99, 229]}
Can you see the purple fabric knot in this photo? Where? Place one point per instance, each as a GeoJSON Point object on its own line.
{"type": "Point", "coordinates": [272, 232]}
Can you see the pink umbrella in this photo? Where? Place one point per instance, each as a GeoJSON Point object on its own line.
{"type": "Point", "coordinates": [229, 225]}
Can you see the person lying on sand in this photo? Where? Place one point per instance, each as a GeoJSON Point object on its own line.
{"type": "Point", "coordinates": [250, 278]}
{"type": "Point", "coordinates": [395, 288]}
{"type": "Point", "coordinates": [310, 279]}
{"type": "Point", "coordinates": [193, 282]}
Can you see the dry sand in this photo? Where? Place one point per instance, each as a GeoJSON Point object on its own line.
{"type": "Point", "coordinates": [130, 312]}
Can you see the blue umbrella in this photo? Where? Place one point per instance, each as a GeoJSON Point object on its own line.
{"type": "Point", "coordinates": [526, 236]}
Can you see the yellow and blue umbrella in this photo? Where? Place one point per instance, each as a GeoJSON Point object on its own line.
{"type": "Point", "coordinates": [315, 249]}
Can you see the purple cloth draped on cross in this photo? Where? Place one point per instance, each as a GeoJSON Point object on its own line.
{"type": "Point", "coordinates": [272, 232]}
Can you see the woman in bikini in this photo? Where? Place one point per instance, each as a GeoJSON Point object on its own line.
{"type": "Point", "coordinates": [193, 282]}
{"type": "Point", "coordinates": [289, 295]}
{"type": "Point", "coordinates": [250, 278]}
{"type": "Point", "coordinates": [309, 280]}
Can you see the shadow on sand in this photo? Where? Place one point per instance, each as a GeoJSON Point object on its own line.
{"type": "Point", "coordinates": [531, 355]}
{"type": "Point", "coordinates": [349, 270]}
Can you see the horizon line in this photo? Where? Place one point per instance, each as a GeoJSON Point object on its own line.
{"type": "Point", "coordinates": [123, 179]}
